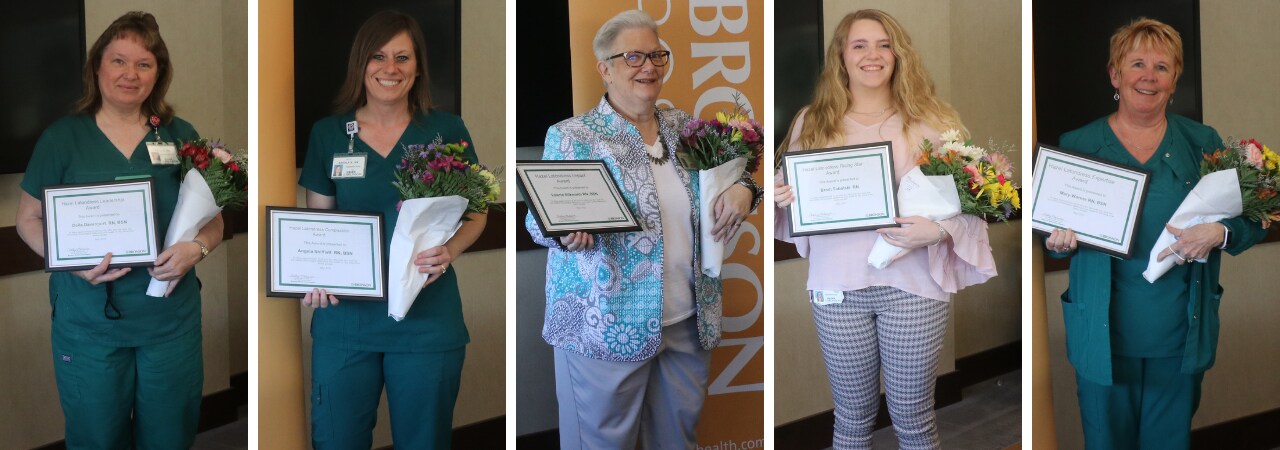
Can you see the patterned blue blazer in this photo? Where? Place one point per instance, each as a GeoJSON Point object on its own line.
{"type": "Point", "coordinates": [605, 302]}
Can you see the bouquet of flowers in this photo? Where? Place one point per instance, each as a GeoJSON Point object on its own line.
{"type": "Point", "coordinates": [721, 150]}
{"type": "Point", "coordinates": [955, 178]}
{"type": "Point", "coordinates": [215, 179]}
{"type": "Point", "coordinates": [1242, 179]}
{"type": "Point", "coordinates": [437, 188]}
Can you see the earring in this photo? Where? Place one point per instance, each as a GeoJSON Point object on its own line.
{"type": "Point", "coordinates": [1116, 97]}
{"type": "Point", "coordinates": [1171, 100]}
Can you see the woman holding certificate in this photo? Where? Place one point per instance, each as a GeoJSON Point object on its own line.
{"type": "Point", "coordinates": [1140, 348]}
{"type": "Point", "coordinates": [129, 367]}
{"type": "Point", "coordinates": [873, 88]}
{"type": "Point", "coordinates": [383, 106]}
{"type": "Point", "coordinates": [631, 316]}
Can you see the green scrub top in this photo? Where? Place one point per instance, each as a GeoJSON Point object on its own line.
{"type": "Point", "coordinates": [1149, 320]}
{"type": "Point", "coordinates": [74, 150]}
{"type": "Point", "coordinates": [434, 322]}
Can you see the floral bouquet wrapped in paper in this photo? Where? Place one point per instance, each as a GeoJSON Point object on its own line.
{"type": "Point", "coordinates": [437, 188]}
{"type": "Point", "coordinates": [1242, 179]}
{"type": "Point", "coordinates": [721, 150]}
{"type": "Point", "coordinates": [215, 179]}
{"type": "Point", "coordinates": [955, 178]}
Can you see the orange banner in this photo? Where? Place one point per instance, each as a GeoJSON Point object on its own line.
{"type": "Point", "coordinates": [717, 54]}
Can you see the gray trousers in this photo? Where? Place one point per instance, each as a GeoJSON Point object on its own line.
{"type": "Point", "coordinates": [609, 405]}
{"type": "Point", "coordinates": [882, 328]}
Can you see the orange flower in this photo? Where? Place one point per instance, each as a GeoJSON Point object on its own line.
{"type": "Point", "coordinates": [1264, 194]}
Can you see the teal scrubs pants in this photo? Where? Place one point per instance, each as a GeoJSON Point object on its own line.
{"type": "Point", "coordinates": [1148, 406]}
{"type": "Point", "coordinates": [144, 397]}
{"type": "Point", "coordinates": [346, 386]}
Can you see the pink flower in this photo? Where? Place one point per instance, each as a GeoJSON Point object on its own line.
{"type": "Point", "coordinates": [1253, 155]}
{"type": "Point", "coordinates": [1000, 164]}
{"type": "Point", "coordinates": [975, 177]}
{"type": "Point", "coordinates": [222, 155]}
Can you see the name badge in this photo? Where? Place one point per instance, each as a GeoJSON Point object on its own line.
{"type": "Point", "coordinates": [162, 153]}
{"type": "Point", "coordinates": [827, 297]}
{"type": "Point", "coordinates": [348, 165]}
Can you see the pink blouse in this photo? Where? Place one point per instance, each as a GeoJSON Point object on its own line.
{"type": "Point", "coordinates": [839, 261]}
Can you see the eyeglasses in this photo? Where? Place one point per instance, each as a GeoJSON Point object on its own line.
{"type": "Point", "coordinates": [636, 59]}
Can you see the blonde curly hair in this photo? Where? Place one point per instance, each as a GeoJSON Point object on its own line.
{"type": "Point", "coordinates": [913, 93]}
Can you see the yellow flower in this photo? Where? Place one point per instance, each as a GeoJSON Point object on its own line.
{"type": "Point", "coordinates": [737, 135]}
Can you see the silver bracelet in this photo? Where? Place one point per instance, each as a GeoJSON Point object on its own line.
{"type": "Point", "coordinates": [942, 234]}
{"type": "Point", "coordinates": [1226, 233]}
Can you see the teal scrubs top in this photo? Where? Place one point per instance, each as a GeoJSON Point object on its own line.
{"type": "Point", "coordinates": [1098, 300]}
{"type": "Point", "coordinates": [74, 150]}
{"type": "Point", "coordinates": [434, 322]}
{"type": "Point", "coordinates": [1148, 320]}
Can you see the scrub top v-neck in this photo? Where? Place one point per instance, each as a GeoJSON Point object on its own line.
{"type": "Point", "coordinates": [1149, 320]}
{"type": "Point", "coordinates": [434, 323]}
{"type": "Point", "coordinates": [74, 150]}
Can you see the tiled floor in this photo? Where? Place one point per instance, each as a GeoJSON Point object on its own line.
{"type": "Point", "coordinates": [988, 417]}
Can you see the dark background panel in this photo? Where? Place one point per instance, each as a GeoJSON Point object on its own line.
{"type": "Point", "coordinates": [1072, 41]}
{"type": "Point", "coordinates": [324, 31]}
{"type": "Point", "coordinates": [43, 44]}
{"type": "Point", "coordinates": [798, 44]}
{"type": "Point", "coordinates": [544, 82]}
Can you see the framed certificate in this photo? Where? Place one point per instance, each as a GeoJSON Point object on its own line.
{"type": "Point", "coordinates": [570, 196]}
{"type": "Point", "coordinates": [84, 222]}
{"type": "Point", "coordinates": [1100, 200]}
{"type": "Point", "coordinates": [338, 251]}
{"type": "Point", "coordinates": [841, 189]}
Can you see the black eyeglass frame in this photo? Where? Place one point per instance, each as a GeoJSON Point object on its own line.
{"type": "Point", "coordinates": [651, 56]}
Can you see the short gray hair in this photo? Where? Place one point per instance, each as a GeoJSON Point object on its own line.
{"type": "Point", "coordinates": [602, 45]}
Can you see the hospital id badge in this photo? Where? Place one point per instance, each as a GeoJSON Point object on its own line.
{"type": "Point", "coordinates": [348, 165]}
{"type": "Point", "coordinates": [162, 153]}
{"type": "Point", "coordinates": [827, 297]}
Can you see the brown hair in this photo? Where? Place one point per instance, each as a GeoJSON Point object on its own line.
{"type": "Point", "coordinates": [913, 92]}
{"type": "Point", "coordinates": [1145, 33]}
{"type": "Point", "coordinates": [374, 34]}
{"type": "Point", "coordinates": [137, 25]}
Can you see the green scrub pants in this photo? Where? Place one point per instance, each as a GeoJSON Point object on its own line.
{"type": "Point", "coordinates": [130, 397]}
{"type": "Point", "coordinates": [1148, 406]}
{"type": "Point", "coordinates": [346, 386]}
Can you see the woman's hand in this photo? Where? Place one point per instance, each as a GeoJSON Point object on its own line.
{"type": "Point", "coordinates": [731, 208]}
{"type": "Point", "coordinates": [919, 232]}
{"type": "Point", "coordinates": [577, 241]}
{"type": "Point", "coordinates": [782, 195]}
{"type": "Point", "coordinates": [174, 262]}
{"type": "Point", "coordinates": [319, 298]}
{"type": "Point", "coordinates": [1061, 241]}
{"type": "Point", "coordinates": [434, 262]}
{"type": "Point", "coordinates": [101, 273]}
{"type": "Point", "coordinates": [1192, 243]}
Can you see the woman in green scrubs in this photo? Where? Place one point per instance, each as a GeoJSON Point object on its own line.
{"type": "Point", "coordinates": [357, 347]}
{"type": "Point", "coordinates": [1140, 349]}
{"type": "Point", "coordinates": [129, 367]}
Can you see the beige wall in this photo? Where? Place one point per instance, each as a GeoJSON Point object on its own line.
{"type": "Point", "coordinates": [483, 392]}
{"type": "Point", "coordinates": [976, 68]}
{"type": "Point", "coordinates": [1240, 98]}
{"type": "Point", "coordinates": [208, 44]}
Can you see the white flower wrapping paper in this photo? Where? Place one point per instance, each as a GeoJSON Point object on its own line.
{"type": "Point", "coordinates": [195, 208]}
{"type": "Point", "coordinates": [1215, 197]}
{"type": "Point", "coordinates": [711, 183]}
{"type": "Point", "coordinates": [423, 223]}
{"type": "Point", "coordinates": [933, 197]}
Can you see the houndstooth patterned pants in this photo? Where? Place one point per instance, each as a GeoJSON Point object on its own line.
{"type": "Point", "coordinates": [884, 327]}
